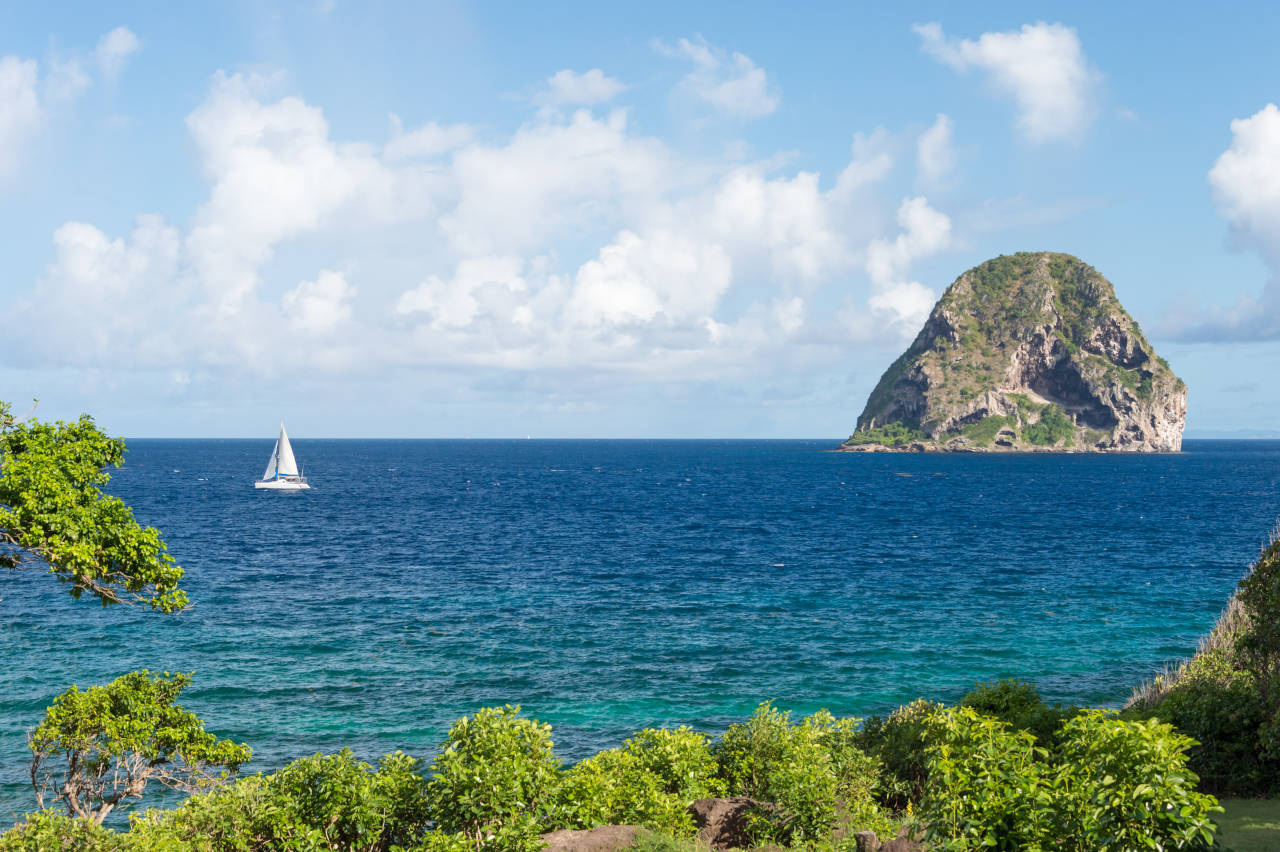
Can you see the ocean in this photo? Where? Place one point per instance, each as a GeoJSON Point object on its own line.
{"type": "Point", "coordinates": [611, 585]}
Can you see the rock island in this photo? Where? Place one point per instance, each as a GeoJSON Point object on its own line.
{"type": "Point", "coordinates": [1026, 352]}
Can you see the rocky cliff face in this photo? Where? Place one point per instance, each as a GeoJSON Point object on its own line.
{"type": "Point", "coordinates": [1030, 351]}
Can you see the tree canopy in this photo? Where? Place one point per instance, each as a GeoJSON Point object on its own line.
{"type": "Point", "coordinates": [53, 514]}
{"type": "Point", "coordinates": [95, 748]}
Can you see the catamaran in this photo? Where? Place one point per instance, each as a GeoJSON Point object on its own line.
{"type": "Point", "coordinates": [282, 469]}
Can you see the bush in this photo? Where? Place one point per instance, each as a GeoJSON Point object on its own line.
{"type": "Point", "coordinates": [1223, 715]}
{"type": "Point", "coordinates": [769, 759]}
{"type": "Point", "coordinates": [985, 784]}
{"type": "Point", "coordinates": [354, 806]}
{"type": "Point", "coordinates": [331, 801]}
{"type": "Point", "coordinates": [897, 741]}
{"type": "Point", "coordinates": [50, 831]}
{"type": "Point", "coordinates": [494, 780]}
{"type": "Point", "coordinates": [615, 788]}
{"type": "Point", "coordinates": [681, 757]}
{"type": "Point", "coordinates": [650, 781]}
{"type": "Point", "coordinates": [1125, 785]}
{"type": "Point", "coordinates": [1019, 704]}
{"type": "Point", "coordinates": [857, 773]}
{"type": "Point", "coordinates": [239, 816]}
{"type": "Point", "coordinates": [1113, 786]}
{"type": "Point", "coordinates": [1259, 645]}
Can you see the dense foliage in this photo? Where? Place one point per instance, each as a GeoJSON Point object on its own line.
{"type": "Point", "coordinates": [97, 748]}
{"type": "Point", "coordinates": [1110, 786]}
{"type": "Point", "coordinates": [54, 515]}
{"type": "Point", "coordinates": [890, 435]}
{"type": "Point", "coordinates": [975, 781]}
{"type": "Point", "coordinates": [495, 780]}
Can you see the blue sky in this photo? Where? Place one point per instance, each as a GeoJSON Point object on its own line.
{"type": "Point", "coordinates": [593, 220]}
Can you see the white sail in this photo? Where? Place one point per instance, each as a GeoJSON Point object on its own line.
{"type": "Point", "coordinates": [271, 462]}
{"type": "Point", "coordinates": [282, 468]}
{"type": "Point", "coordinates": [285, 463]}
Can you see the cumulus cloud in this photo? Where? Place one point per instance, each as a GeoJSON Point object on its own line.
{"type": "Point", "coordinates": [114, 50]}
{"type": "Point", "coordinates": [321, 305]}
{"type": "Point", "coordinates": [1041, 66]}
{"type": "Point", "coordinates": [1246, 185]}
{"type": "Point", "coordinates": [567, 87]}
{"type": "Point", "coordinates": [730, 82]}
{"type": "Point", "coordinates": [934, 154]}
{"type": "Point", "coordinates": [896, 298]}
{"type": "Point", "coordinates": [429, 140]}
{"type": "Point", "coordinates": [638, 279]}
{"type": "Point", "coordinates": [574, 240]}
{"type": "Point", "coordinates": [456, 302]}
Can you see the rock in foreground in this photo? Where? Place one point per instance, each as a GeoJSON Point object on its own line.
{"type": "Point", "coordinates": [1027, 352]}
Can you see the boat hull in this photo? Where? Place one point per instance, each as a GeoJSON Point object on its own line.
{"type": "Point", "coordinates": [281, 485]}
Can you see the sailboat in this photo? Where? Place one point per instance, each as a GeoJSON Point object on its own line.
{"type": "Point", "coordinates": [282, 469]}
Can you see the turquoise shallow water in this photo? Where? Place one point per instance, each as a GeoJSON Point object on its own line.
{"type": "Point", "coordinates": [612, 585]}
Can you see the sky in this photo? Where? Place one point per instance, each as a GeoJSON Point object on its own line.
{"type": "Point", "coordinates": [494, 220]}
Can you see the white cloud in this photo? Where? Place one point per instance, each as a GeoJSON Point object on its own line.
{"type": "Point", "coordinates": [901, 301]}
{"type": "Point", "coordinates": [641, 279]}
{"type": "Point", "coordinates": [1246, 180]}
{"type": "Point", "coordinates": [567, 88]}
{"type": "Point", "coordinates": [321, 305]}
{"type": "Point", "coordinates": [119, 300]}
{"type": "Point", "coordinates": [553, 176]}
{"type": "Point", "coordinates": [456, 302]}
{"type": "Point", "coordinates": [20, 113]}
{"type": "Point", "coordinates": [276, 175]}
{"type": "Point", "coordinates": [429, 140]}
{"type": "Point", "coordinates": [934, 154]}
{"type": "Point", "coordinates": [575, 243]}
{"type": "Point", "coordinates": [113, 52]}
{"type": "Point", "coordinates": [1246, 185]}
{"type": "Point", "coordinates": [1042, 66]}
{"type": "Point", "coordinates": [729, 82]}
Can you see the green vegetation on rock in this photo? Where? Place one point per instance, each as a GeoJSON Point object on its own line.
{"type": "Point", "coordinates": [1037, 337]}
{"type": "Point", "coordinates": [889, 435]}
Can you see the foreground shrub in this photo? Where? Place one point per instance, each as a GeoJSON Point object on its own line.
{"type": "Point", "coordinates": [615, 788]}
{"type": "Point", "coordinates": [858, 774]}
{"type": "Point", "coordinates": [1113, 786]}
{"type": "Point", "coordinates": [353, 805]}
{"type": "Point", "coordinates": [50, 831]}
{"type": "Point", "coordinates": [495, 780]}
{"type": "Point", "coordinates": [1018, 703]}
{"type": "Point", "coordinates": [985, 784]}
{"type": "Point", "coordinates": [772, 760]}
{"type": "Point", "coordinates": [1125, 785]}
{"type": "Point", "coordinates": [897, 741]}
{"type": "Point", "coordinates": [331, 801]}
{"type": "Point", "coordinates": [239, 816]}
{"type": "Point", "coordinates": [680, 757]}
{"type": "Point", "coordinates": [650, 781]}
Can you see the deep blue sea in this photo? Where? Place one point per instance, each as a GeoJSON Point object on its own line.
{"type": "Point", "coordinates": [608, 586]}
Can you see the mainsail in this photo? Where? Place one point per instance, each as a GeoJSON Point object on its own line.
{"type": "Point", "coordinates": [283, 456]}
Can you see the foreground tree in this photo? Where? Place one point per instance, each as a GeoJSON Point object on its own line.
{"type": "Point", "coordinates": [53, 514]}
{"type": "Point", "coordinates": [101, 746]}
